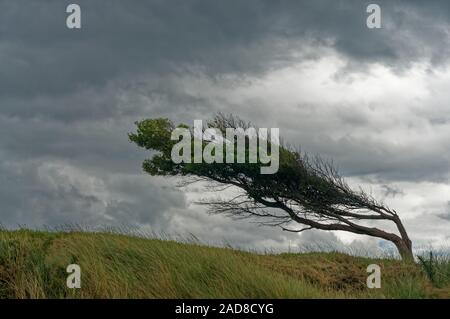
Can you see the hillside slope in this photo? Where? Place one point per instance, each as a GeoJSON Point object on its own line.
{"type": "Point", "coordinates": [33, 265]}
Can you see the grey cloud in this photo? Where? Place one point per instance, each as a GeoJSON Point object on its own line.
{"type": "Point", "coordinates": [446, 214]}
{"type": "Point", "coordinates": [119, 39]}
{"type": "Point", "coordinates": [37, 193]}
{"type": "Point", "coordinates": [392, 191]}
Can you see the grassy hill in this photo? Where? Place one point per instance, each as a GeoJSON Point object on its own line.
{"type": "Point", "coordinates": [33, 265]}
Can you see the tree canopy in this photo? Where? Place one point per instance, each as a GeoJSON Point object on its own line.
{"type": "Point", "coordinates": [305, 193]}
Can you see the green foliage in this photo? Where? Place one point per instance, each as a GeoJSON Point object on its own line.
{"type": "Point", "coordinates": [154, 134]}
{"type": "Point", "coordinates": [296, 174]}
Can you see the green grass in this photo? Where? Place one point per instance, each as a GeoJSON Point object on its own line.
{"type": "Point", "coordinates": [33, 265]}
{"type": "Point", "coordinates": [437, 268]}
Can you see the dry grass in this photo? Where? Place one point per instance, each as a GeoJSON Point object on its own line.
{"type": "Point", "coordinates": [32, 265]}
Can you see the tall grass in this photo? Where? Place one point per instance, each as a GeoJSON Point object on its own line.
{"type": "Point", "coordinates": [437, 267]}
{"type": "Point", "coordinates": [33, 264]}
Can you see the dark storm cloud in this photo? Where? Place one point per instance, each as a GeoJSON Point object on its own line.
{"type": "Point", "coordinates": [44, 193]}
{"type": "Point", "coordinates": [68, 98]}
{"type": "Point", "coordinates": [120, 39]}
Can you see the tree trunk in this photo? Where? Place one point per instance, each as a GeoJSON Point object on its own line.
{"type": "Point", "coordinates": [403, 244]}
{"type": "Point", "coordinates": [405, 249]}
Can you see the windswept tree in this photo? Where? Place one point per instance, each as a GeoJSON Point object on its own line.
{"type": "Point", "coordinates": [305, 193]}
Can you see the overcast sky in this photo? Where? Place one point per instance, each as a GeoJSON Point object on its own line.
{"type": "Point", "coordinates": [376, 101]}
